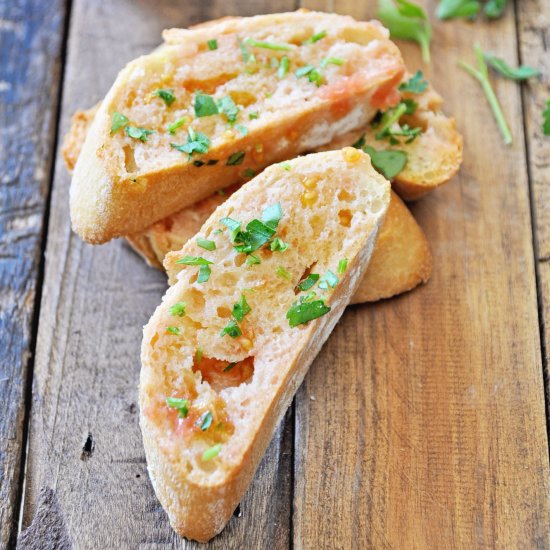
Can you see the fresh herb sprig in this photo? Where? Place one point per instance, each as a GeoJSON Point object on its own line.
{"type": "Point", "coordinates": [523, 72]}
{"type": "Point", "coordinates": [546, 119]}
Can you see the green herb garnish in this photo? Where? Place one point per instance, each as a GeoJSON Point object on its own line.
{"type": "Point", "coordinates": [229, 367]}
{"type": "Point", "coordinates": [231, 329]}
{"type": "Point", "coordinates": [407, 21]}
{"type": "Point", "coordinates": [180, 404]}
{"type": "Point", "coordinates": [254, 115]}
{"type": "Point", "coordinates": [136, 132]}
{"type": "Point", "coordinates": [173, 330]}
{"type": "Point", "coordinates": [118, 121]}
{"type": "Point", "coordinates": [416, 84]}
{"type": "Point", "coordinates": [253, 260]}
{"type": "Point", "coordinates": [243, 130]}
{"type": "Point", "coordinates": [285, 166]}
{"type": "Point", "coordinates": [388, 126]}
{"type": "Point", "coordinates": [278, 245]}
{"type": "Point", "coordinates": [235, 159]}
{"type": "Point", "coordinates": [360, 142]}
{"type": "Point", "coordinates": [197, 142]}
{"type": "Point", "coordinates": [450, 9]}
{"type": "Point", "coordinates": [205, 421]}
{"type": "Point", "coordinates": [227, 106]}
{"type": "Point", "coordinates": [546, 119]}
{"type": "Point", "coordinates": [311, 72]}
{"type": "Point", "coordinates": [481, 74]}
{"type": "Point", "coordinates": [178, 309]}
{"type": "Point", "coordinates": [523, 72]}
{"type": "Point", "coordinates": [212, 44]}
{"type": "Point", "coordinates": [495, 8]}
{"type": "Point", "coordinates": [204, 269]}
{"type": "Point", "coordinates": [206, 244]}
{"type": "Point", "coordinates": [331, 61]}
{"type": "Point", "coordinates": [240, 309]}
{"type": "Point", "coordinates": [177, 124]}
{"type": "Point", "coordinates": [329, 279]}
{"type": "Point", "coordinates": [268, 45]}
{"type": "Point", "coordinates": [249, 173]}
{"type": "Point", "coordinates": [166, 95]}
{"type": "Point", "coordinates": [204, 274]}
{"type": "Point", "coordinates": [309, 281]}
{"type": "Point", "coordinates": [199, 354]}
{"type": "Point", "coordinates": [212, 452]}
{"type": "Point", "coordinates": [314, 38]}
{"type": "Point", "coordinates": [283, 273]}
{"type": "Point", "coordinates": [388, 163]}
{"type": "Point", "coordinates": [204, 105]}
{"type": "Point", "coordinates": [283, 66]}
{"type": "Point", "coordinates": [301, 313]}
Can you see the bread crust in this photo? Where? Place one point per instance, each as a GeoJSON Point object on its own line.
{"type": "Point", "coordinates": [107, 201]}
{"type": "Point", "coordinates": [200, 505]}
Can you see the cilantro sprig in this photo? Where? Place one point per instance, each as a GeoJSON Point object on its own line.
{"type": "Point", "coordinates": [481, 74]}
{"type": "Point", "coordinates": [389, 163]}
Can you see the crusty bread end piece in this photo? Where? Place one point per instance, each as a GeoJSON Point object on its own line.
{"type": "Point", "coordinates": [201, 459]}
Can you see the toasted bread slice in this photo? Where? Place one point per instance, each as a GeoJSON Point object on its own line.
{"type": "Point", "coordinates": [206, 113]}
{"type": "Point", "coordinates": [231, 367]}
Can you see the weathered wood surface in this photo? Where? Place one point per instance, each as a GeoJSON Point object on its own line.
{"type": "Point", "coordinates": [428, 425]}
{"type": "Point", "coordinates": [86, 475]}
{"type": "Point", "coordinates": [534, 43]}
{"type": "Point", "coordinates": [421, 423]}
{"type": "Point", "coordinates": [31, 37]}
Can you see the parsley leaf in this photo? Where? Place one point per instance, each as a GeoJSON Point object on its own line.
{"type": "Point", "coordinates": [253, 115]}
{"type": "Point", "coordinates": [249, 173]}
{"type": "Point", "coordinates": [546, 119]}
{"type": "Point", "coordinates": [176, 124]}
{"type": "Point", "coordinates": [389, 127]}
{"type": "Point", "coordinates": [283, 273]}
{"type": "Point", "coordinates": [283, 66]}
{"type": "Point", "coordinates": [388, 163]}
{"type": "Point", "coordinates": [137, 133]}
{"type": "Point", "coordinates": [522, 72]}
{"type": "Point", "coordinates": [272, 215]}
{"type": "Point", "coordinates": [231, 329]}
{"type": "Point", "coordinates": [205, 421]}
{"type": "Point", "coordinates": [206, 244]}
{"type": "Point", "coordinates": [416, 84]}
{"type": "Point", "coordinates": [342, 265]}
{"type": "Point", "coordinates": [204, 105]}
{"type": "Point", "coordinates": [331, 61]}
{"type": "Point", "coordinates": [118, 121]}
{"type": "Point", "coordinates": [299, 314]}
{"type": "Point", "coordinates": [178, 309]}
{"type": "Point", "coordinates": [278, 245]}
{"type": "Point", "coordinates": [212, 452]}
{"type": "Point", "coordinates": [240, 309]}
{"type": "Point", "coordinates": [267, 45]}
{"type": "Point", "coordinates": [166, 95]}
{"type": "Point", "coordinates": [235, 159]}
{"type": "Point", "coordinates": [315, 38]}
{"type": "Point", "coordinates": [173, 330]}
{"type": "Point", "coordinates": [204, 269]}
{"type": "Point", "coordinates": [212, 44]}
{"type": "Point", "coordinates": [312, 74]}
{"type": "Point", "coordinates": [227, 106]}
{"type": "Point", "coordinates": [229, 367]}
{"type": "Point", "coordinates": [253, 259]}
{"type": "Point", "coordinates": [180, 404]}
{"type": "Point", "coordinates": [204, 274]}
{"type": "Point", "coordinates": [495, 8]}
{"type": "Point", "coordinates": [407, 21]}
{"type": "Point", "coordinates": [329, 279]}
{"type": "Point", "coordinates": [450, 9]}
{"type": "Point", "coordinates": [197, 142]}
{"type": "Point", "coordinates": [309, 281]}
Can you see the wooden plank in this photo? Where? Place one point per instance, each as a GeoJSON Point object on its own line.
{"type": "Point", "coordinates": [86, 477]}
{"type": "Point", "coordinates": [31, 38]}
{"type": "Point", "coordinates": [534, 43]}
{"type": "Point", "coordinates": [427, 427]}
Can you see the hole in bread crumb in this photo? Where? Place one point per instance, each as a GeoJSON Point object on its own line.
{"type": "Point", "coordinates": [346, 196]}
{"type": "Point", "coordinates": [223, 374]}
{"type": "Point", "coordinates": [129, 160]}
{"type": "Point", "coordinates": [376, 206]}
{"type": "Point", "coordinates": [223, 312]}
{"type": "Point", "coordinates": [345, 216]}
{"type": "Point", "coordinates": [195, 297]}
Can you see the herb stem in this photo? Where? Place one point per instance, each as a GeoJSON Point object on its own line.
{"type": "Point", "coordinates": [482, 76]}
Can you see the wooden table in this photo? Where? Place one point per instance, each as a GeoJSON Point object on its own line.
{"type": "Point", "coordinates": [422, 422]}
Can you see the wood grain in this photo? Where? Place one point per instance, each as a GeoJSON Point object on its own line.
{"type": "Point", "coordinates": [86, 472]}
{"type": "Point", "coordinates": [534, 43]}
{"type": "Point", "coordinates": [31, 37]}
{"type": "Point", "coordinates": [427, 427]}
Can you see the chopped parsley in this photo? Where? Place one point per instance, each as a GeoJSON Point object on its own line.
{"type": "Point", "coordinates": [212, 44]}
{"type": "Point", "coordinates": [236, 158]}
{"type": "Point", "coordinates": [388, 163]}
{"type": "Point", "coordinates": [388, 126]}
{"type": "Point", "coordinates": [180, 404]}
{"type": "Point", "coordinates": [267, 45]}
{"type": "Point", "coordinates": [495, 8]}
{"type": "Point", "coordinates": [283, 66]}
{"type": "Point", "coordinates": [227, 106]}
{"type": "Point", "coordinates": [309, 281]}
{"type": "Point", "coordinates": [408, 21]}
{"type": "Point", "coordinates": [173, 330]}
{"type": "Point", "coordinates": [204, 105]}
{"type": "Point", "coordinates": [204, 274]}
{"type": "Point", "coordinates": [249, 173]}
{"type": "Point", "coordinates": [283, 273]}
{"type": "Point", "coordinates": [229, 367]}
{"type": "Point", "coordinates": [178, 309]}
{"type": "Point", "coordinates": [197, 142]}
{"type": "Point", "coordinates": [546, 119]}
{"type": "Point", "coordinates": [278, 245]}
{"type": "Point", "coordinates": [212, 452]}
{"type": "Point", "coordinates": [342, 265]}
{"type": "Point", "coordinates": [240, 309]}
{"type": "Point", "coordinates": [450, 9]}
{"type": "Point", "coordinates": [253, 115]}
{"type": "Point", "coordinates": [204, 269]}
{"type": "Point", "coordinates": [166, 95]}
{"type": "Point", "coordinates": [199, 354]}
{"type": "Point", "coordinates": [312, 74]}
{"type": "Point", "coordinates": [118, 121]}
{"type": "Point", "coordinates": [253, 260]}
{"type": "Point", "coordinates": [136, 132]}
{"type": "Point", "coordinates": [416, 84]}
{"type": "Point", "coordinates": [331, 61]}
{"type": "Point", "coordinates": [301, 313]}
{"type": "Point", "coordinates": [314, 38]}
{"type": "Point", "coordinates": [329, 279]}
{"type": "Point", "coordinates": [231, 329]}
{"type": "Point", "coordinates": [205, 421]}
{"type": "Point", "coordinates": [206, 244]}
{"type": "Point", "coordinates": [523, 72]}
{"type": "Point", "coordinates": [411, 105]}
{"type": "Point", "coordinates": [242, 129]}
{"type": "Point", "coordinates": [285, 166]}
{"type": "Point", "coordinates": [177, 124]}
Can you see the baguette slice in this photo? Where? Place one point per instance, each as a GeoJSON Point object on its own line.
{"type": "Point", "coordinates": [202, 454]}
{"type": "Point", "coordinates": [126, 179]}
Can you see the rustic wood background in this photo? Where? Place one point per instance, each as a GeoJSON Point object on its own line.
{"type": "Point", "coordinates": [422, 423]}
